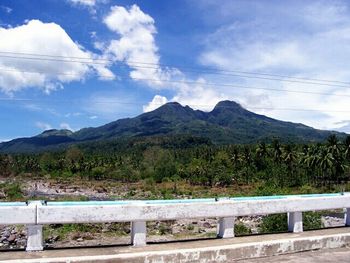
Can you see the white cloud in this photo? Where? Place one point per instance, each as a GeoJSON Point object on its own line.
{"type": "Point", "coordinates": [111, 105]}
{"type": "Point", "coordinates": [6, 9]}
{"type": "Point", "coordinates": [47, 74]}
{"type": "Point", "coordinates": [156, 102]}
{"type": "Point", "coordinates": [135, 45]}
{"type": "Point", "coordinates": [94, 117]}
{"type": "Point", "coordinates": [89, 3]}
{"type": "Point", "coordinates": [43, 126]}
{"type": "Point", "coordinates": [66, 126]}
{"type": "Point", "coordinates": [73, 114]}
{"type": "Point", "coordinates": [199, 97]}
{"type": "Point", "coordinates": [308, 41]}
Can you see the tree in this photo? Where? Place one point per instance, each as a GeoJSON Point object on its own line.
{"type": "Point", "coordinates": [347, 147]}
{"type": "Point", "coordinates": [289, 158]}
{"type": "Point", "coordinates": [261, 153]}
{"type": "Point", "coordinates": [277, 151]}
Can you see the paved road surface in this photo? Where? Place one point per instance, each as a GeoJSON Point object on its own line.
{"type": "Point", "coordinates": [341, 255]}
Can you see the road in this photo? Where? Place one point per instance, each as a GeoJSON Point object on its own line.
{"type": "Point", "coordinates": [341, 255]}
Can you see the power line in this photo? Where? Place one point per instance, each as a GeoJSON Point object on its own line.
{"type": "Point", "coordinates": [101, 61]}
{"type": "Point", "coordinates": [159, 104]}
{"type": "Point", "coordinates": [189, 83]}
{"type": "Point", "coordinates": [173, 66]}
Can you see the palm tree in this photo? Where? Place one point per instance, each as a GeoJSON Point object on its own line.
{"type": "Point", "coordinates": [277, 151]}
{"type": "Point", "coordinates": [235, 157]}
{"type": "Point", "coordinates": [310, 160]}
{"type": "Point", "coordinates": [261, 150]}
{"type": "Point", "coordinates": [338, 168]}
{"type": "Point", "coordinates": [261, 153]}
{"type": "Point", "coordinates": [347, 147]}
{"type": "Point", "coordinates": [326, 162]}
{"type": "Point", "coordinates": [289, 158]}
{"type": "Point", "coordinates": [247, 159]}
{"type": "Point", "coordinates": [333, 145]}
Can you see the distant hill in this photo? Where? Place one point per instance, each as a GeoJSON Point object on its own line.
{"type": "Point", "coordinates": [227, 123]}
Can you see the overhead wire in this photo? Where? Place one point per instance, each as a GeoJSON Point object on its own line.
{"type": "Point", "coordinates": [159, 104]}
{"type": "Point", "coordinates": [44, 57]}
{"type": "Point", "coordinates": [136, 64]}
{"type": "Point", "coordinates": [186, 82]}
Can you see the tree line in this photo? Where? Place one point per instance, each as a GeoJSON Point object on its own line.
{"type": "Point", "coordinates": [276, 164]}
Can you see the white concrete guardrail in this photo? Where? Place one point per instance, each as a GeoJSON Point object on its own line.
{"type": "Point", "coordinates": [35, 214]}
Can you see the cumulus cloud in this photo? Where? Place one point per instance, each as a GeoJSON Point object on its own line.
{"type": "Point", "coordinates": [46, 73]}
{"type": "Point", "coordinates": [66, 126]}
{"type": "Point", "coordinates": [136, 47]}
{"type": "Point", "coordinates": [43, 126]}
{"type": "Point", "coordinates": [135, 44]}
{"type": "Point", "coordinates": [156, 102]}
{"type": "Point", "coordinates": [199, 97]}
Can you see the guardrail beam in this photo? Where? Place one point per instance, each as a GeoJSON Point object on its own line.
{"type": "Point", "coordinates": [226, 227]}
{"type": "Point", "coordinates": [138, 233]}
{"type": "Point", "coordinates": [295, 222]}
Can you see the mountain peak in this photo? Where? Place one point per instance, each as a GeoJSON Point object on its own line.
{"type": "Point", "coordinates": [227, 104]}
{"type": "Point", "coordinates": [55, 132]}
{"type": "Point", "coordinates": [172, 104]}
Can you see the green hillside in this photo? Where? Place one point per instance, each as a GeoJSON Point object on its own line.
{"type": "Point", "coordinates": [227, 123]}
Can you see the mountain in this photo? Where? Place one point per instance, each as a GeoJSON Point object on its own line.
{"type": "Point", "coordinates": [227, 123]}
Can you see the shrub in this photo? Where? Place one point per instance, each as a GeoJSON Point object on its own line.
{"type": "Point", "coordinates": [13, 191]}
{"type": "Point", "coordinates": [241, 229]}
{"type": "Point", "coordinates": [312, 220]}
{"type": "Point", "coordinates": [190, 227]}
{"type": "Point", "coordinates": [274, 223]}
{"type": "Point", "coordinates": [279, 223]}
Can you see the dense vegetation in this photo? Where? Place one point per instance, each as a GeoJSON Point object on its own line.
{"type": "Point", "coordinates": [195, 161]}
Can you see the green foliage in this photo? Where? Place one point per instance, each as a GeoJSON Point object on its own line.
{"type": "Point", "coordinates": [12, 191]}
{"type": "Point", "coordinates": [190, 227]}
{"type": "Point", "coordinates": [241, 230]}
{"type": "Point", "coordinates": [278, 222]}
{"type": "Point", "coordinates": [183, 127]}
{"type": "Point", "coordinates": [164, 228]}
{"type": "Point", "coordinates": [274, 223]}
{"type": "Point", "coordinates": [98, 173]}
{"type": "Point", "coordinates": [274, 168]}
{"type": "Point", "coordinates": [312, 220]}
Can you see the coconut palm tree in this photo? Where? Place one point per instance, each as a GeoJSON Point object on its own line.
{"type": "Point", "coordinates": [277, 151]}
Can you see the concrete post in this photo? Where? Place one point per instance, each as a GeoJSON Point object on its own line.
{"type": "Point", "coordinates": [34, 233]}
{"type": "Point", "coordinates": [226, 227]}
{"type": "Point", "coordinates": [295, 222]}
{"type": "Point", "coordinates": [138, 233]}
{"type": "Point", "coordinates": [347, 217]}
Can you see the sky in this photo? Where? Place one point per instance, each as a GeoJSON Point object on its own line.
{"type": "Point", "coordinates": [70, 64]}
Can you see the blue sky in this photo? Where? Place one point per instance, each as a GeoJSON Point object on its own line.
{"type": "Point", "coordinates": [81, 63]}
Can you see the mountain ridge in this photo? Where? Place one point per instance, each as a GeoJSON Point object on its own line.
{"type": "Point", "coordinates": [227, 123]}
